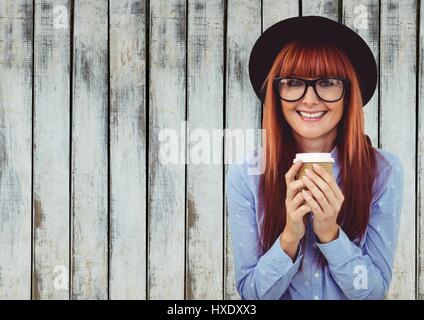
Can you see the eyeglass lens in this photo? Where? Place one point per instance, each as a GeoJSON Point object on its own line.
{"type": "Point", "coordinates": [327, 89]}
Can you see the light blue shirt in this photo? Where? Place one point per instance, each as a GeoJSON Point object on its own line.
{"type": "Point", "coordinates": [359, 269]}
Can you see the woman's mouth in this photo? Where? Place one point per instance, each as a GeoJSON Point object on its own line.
{"type": "Point", "coordinates": [311, 116]}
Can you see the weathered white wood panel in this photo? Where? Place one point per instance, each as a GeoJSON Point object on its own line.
{"type": "Point", "coordinates": [15, 148]}
{"type": "Point", "coordinates": [52, 149]}
{"type": "Point", "coordinates": [324, 8]}
{"type": "Point", "coordinates": [243, 109]}
{"type": "Point", "coordinates": [420, 159]}
{"type": "Point", "coordinates": [397, 125]}
{"type": "Point", "coordinates": [127, 150]}
{"type": "Point", "coordinates": [166, 185]}
{"type": "Point", "coordinates": [363, 17]}
{"type": "Point", "coordinates": [188, 45]}
{"type": "Point", "coordinates": [204, 273]}
{"type": "Point", "coordinates": [277, 10]}
{"type": "Point", "coordinates": [89, 195]}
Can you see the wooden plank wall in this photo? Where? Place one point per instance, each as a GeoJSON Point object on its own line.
{"type": "Point", "coordinates": [87, 208]}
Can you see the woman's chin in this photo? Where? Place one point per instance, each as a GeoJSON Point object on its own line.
{"type": "Point", "coordinates": [310, 134]}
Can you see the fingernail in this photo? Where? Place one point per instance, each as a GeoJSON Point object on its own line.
{"type": "Point", "coordinates": [315, 165]}
{"type": "Point", "coordinates": [308, 172]}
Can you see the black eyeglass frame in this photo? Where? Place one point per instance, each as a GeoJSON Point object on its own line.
{"type": "Point", "coordinates": [311, 83]}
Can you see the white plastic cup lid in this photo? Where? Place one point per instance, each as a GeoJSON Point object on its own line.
{"type": "Point", "coordinates": [314, 157]}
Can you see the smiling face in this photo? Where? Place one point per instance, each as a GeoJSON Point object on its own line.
{"type": "Point", "coordinates": [312, 118]}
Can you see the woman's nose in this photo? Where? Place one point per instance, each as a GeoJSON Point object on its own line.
{"type": "Point", "coordinates": [310, 97]}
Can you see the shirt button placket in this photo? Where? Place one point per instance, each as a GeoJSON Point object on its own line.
{"type": "Point", "coordinates": [316, 277]}
{"type": "Point", "coordinates": [316, 285]}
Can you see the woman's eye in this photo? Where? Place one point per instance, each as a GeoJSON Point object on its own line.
{"type": "Point", "coordinates": [325, 83]}
{"type": "Point", "coordinates": [294, 83]}
{"type": "Point", "coordinates": [328, 82]}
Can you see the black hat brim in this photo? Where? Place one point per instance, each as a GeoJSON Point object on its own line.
{"type": "Point", "coordinates": [273, 40]}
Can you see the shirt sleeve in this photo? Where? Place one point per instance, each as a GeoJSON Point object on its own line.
{"type": "Point", "coordinates": [365, 272]}
{"type": "Point", "coordinates": [257, 277]}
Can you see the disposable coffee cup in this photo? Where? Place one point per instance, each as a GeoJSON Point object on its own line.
{"type": "Point", "coordinates": [323, 159]}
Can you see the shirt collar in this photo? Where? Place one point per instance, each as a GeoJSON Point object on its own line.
{"type": "Point", "coordinates": [334, 153]}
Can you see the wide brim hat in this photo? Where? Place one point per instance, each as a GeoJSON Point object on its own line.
{"type": "Point", "coordinates": [315, 28]}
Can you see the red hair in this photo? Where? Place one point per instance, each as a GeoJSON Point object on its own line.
{"type": "Point", "coordinates": [356, 155]}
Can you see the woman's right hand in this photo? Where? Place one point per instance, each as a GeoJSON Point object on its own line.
{"type": "Point", "coordinates": [296, 208]}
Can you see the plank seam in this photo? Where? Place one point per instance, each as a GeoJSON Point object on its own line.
{"type": "Point", "coordinates": [417, 178]}
{"type": "Point", "coordinates": [108, 153]}
{"type": "Point", "coordinates": [71, 100]}
{"type": "Point", "coordinates": [146, 100]}
{"type": "Point", "coordinates": [186, 236]}
{"type": "Point", "coordinates": [379, 79]}
{"type": "Point", "coordinates": [32, 154]}
{"type": "Point", "coordinates": [224, 105]}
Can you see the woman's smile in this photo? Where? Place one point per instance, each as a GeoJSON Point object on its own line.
{"type": "Point", "coordinates": [311, 116]}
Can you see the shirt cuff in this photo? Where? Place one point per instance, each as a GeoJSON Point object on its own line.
{"type": "Point", "coordinates": [281, 260]}
{"type": "Point", "coordinates": [339, 251]}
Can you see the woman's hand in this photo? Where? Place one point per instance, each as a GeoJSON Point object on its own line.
{"type": "Point", "coordinates": [295, 207]}
{"type": "Point", "coordinates": [325, 198]}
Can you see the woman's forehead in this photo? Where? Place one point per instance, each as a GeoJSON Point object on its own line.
{"type": "Point", "coordinates": [311, 77]}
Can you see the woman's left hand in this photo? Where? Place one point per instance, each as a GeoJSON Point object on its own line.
{"type": "Point", "coordinates": [325, 199]}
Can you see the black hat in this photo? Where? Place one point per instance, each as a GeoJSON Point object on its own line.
{"type": "Point", "coordinates": [270, 43]}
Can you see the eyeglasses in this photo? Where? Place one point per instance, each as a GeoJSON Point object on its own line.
{"type": "Point", "coordinates": [327, 89]}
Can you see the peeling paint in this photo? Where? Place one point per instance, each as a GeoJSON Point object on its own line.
{"type": "Point", "coordinates": [192, 221]}
{"type": "Point", "coordinates": [136, 7]}
{"type": "Point", "coordinates": [192, 215]}
{"type": "Point", "coordinates": [38, 215]}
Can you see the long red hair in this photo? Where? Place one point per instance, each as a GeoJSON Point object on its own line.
{"type": "Point", "coordinates": [356, 154]}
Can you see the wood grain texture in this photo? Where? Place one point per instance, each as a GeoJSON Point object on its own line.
{"type": "Point", "coordinates": [89, 194]}
{"type": "Point", "coordinates": [163, 233]}
{"type": "Point", "coordinates": [127, 150]}
{"type": "Point", "coordinates": [204, 271]}
{"type": "Point", "coordinates": [420, 159]}
{"type": "Point", "coordinates": [276, 10]}
{"type": "Point", "coordinates": [52, 149]}
{"type": "Point", "coordinates": [243, 109]}
{"type": "Point", "coordinates": [15, 148]}
{"type": "Point", "coordinates": [324, 8]}
{"type": "Point", "coordinates": [397, 126]}
{"type": "Point", "coordinates": [363, 17]}
{"type": "Point", "coordinates": [166, 184]}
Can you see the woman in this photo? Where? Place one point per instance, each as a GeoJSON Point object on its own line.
{"type": "Point", "coordinates": [335, 239]}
